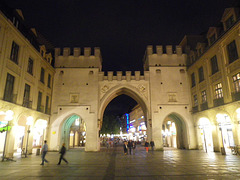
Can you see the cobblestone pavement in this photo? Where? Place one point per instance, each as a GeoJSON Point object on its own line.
{"type": "Point", "coordinates": [113, 164]}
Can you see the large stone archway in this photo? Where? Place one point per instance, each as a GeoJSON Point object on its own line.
{"type": "Point", "coordinates": [126, 90]}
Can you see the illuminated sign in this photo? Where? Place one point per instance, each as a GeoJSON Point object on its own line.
{"type": "Point", "coordinates": [127, 117]}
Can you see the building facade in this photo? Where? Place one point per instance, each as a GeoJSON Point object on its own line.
{"type": "Point", "coordinates": [25, 85]}
{"type": "Point", "coordinates": [214, 74]}
{"type": "Point", "coordinates": [188, 94]}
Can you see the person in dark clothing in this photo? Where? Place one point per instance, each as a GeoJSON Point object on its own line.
{"type": "Point", "coordinates": [152, 144]}
{"type": "Point", "coordinates": [125, 148]}
{"type": "Point", "coordinates": [62, 152]}
{"type": "Point", "coordinates": [147, 146]}
{"type": "Point", "coordinates": [130, 146]}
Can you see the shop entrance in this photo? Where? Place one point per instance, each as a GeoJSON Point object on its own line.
{"type": "Point", "coordinates": [174, 132]}
{"type": "Point", "coordinates": [73, 132]}
{"type": "Point", "coordinates": [206, 134]}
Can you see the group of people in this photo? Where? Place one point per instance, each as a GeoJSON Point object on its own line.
{"type": "Point", "coordinates": [147, 145]}
{"type": "Point", "coordinates": [129, 146]}
{"type": "Point", "coordinates": [62, 153]}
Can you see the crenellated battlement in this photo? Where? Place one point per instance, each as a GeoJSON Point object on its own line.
{"type": "Point", "coordinates": [78, 58]}
{"type": "Point", "coordinates": [76, 52]}
{"type": "Point", "coordinates": [160, 50]}
{"type": "Point", "coordinates": [120, 76]}
{"type": "Point", "coordinates": [164, 56]}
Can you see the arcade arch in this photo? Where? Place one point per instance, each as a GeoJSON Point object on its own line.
{"type": "Point", "coordinates": [174, 132]}
{"type": "Point", "coordinates": [73, 132]}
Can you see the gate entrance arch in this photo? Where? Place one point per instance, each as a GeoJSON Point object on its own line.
{"type": "Point", "coordinates": [174, 132]}
{"type": "Point", "coordinates": [117, 91]}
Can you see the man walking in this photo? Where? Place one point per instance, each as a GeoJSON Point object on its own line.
{"type": "Point", "coordinates": [152, 144]}
{"type": "Point", "coordinates": [44, 152]}
{"type": "Point", "coordinates": [62, 152]}
{"type": "Point", "coordinates": [130, 146]}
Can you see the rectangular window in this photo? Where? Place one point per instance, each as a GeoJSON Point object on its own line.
{"type": "Point", "coordinates": [26, 96]}
{"type": "Point", "coordinates": [39, 103]}
{"type": "Point", "coordinates": [229, 22]}
{"type": "Point", "coordinates": [8, 92]}
{"type": "Point", "coordinates": [46, 107]}
{"type": "Point", "coordinates": [193, 79]}
{"type": "Point", "coordinates": [214, 64]}
{"type": "Point", "coordinates": [218, 91]}
{"type": "Point", "coordinates": [201, 74]}
{"type": "Point", "coordinates": [204, 96]}
{"type": "Point", "coordinates": [232, 52]}
{"type": "Point", "coordinates": [212, 39]}
{"type": "Point", "coordinates": [30, 66]}
{"type": "Point", "coordinates": [42, 75]}
{"type": "Point", "coordinates": [236, 82]}
{"type": "Point", "coordinates": [195, 100]}
{"type": "Point", "coordinates": [49, 81]}
{"type": "Point", "coordinates": [14, 52]}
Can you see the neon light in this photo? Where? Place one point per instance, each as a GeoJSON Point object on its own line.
{"type": "Point", "coordinates": [127, 117]}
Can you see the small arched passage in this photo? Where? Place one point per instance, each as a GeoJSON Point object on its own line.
{"type": "Point", "coordinates": [117, 91]}
{"type": "Point", "coordinates": [65, 130]}
{"type": "Point", "coordinates": [180, 135]}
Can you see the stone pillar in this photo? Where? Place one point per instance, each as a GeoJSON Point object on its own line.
{"type": "Point", "coordinates": [157, 132]}
{"type": "Point", "coordinates": [215, 138]}
{"type": "Point", "coordinates": [92, 136]}
{"type": "Point", "coordinates": [9, 147]}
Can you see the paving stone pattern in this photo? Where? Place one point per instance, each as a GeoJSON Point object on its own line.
{"type": "Point", "coordinates": [112, 164]}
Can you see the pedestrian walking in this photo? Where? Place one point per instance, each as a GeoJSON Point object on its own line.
{"type": "Point", "coordinates": [130, 146]}
{"type": "Point", "coordinates": [152, 144]}
{"type": "Point", "coordinates": [44, 152]}
{"type": "Point", "coordinates": [146, 146]}
{"type": "Point", "coordinates": [125, 147]}
{"type": "Point", "coordinates": [62, 152]}
{"type": "Point", "coordinates": [134, 146]}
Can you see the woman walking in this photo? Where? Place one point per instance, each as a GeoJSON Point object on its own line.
{"type": "Point", "coordinates": [147, 146]}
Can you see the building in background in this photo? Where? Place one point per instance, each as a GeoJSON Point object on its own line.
{"type": "Point", "coordinates": [137, 124]}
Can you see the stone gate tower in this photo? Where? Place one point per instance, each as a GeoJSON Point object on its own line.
{"type": "Point", "coordinates": [81, 89]}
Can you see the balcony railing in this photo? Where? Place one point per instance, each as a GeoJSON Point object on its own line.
{"type": "Point", "coordinates": [218, 102]}
{"type": "Point", "coordinates": [11, 98]}
{"type": "Point", "coordinates": [40, 109]}
{"type": "Point", "coordinates": [204, 106]}
{"type": "Point", "coordinates": [48, 111]}
{"type": "Point", "coordinates": [195, 109]}
{"type": "Point", "coordinates": [27, 103]}
{"type": "Point", "coordinates": [236, 96]}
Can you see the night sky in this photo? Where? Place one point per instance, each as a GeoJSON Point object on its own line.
{"type": "Point", "coordinates": [121, 28]}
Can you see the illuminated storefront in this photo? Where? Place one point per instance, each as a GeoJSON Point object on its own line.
{"type": "Point", "coordinates": [225, 128]}
{"type": "Point", "coordinates": [206, 134]}
{"type": "Point", "coordinates": [39, 131]}
{"type": "Point", "coordinates": [169, 134]}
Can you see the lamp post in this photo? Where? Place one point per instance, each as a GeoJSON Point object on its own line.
{"type": "Point", "coordinates": [28, 123]}
{"type": "Point", "coordinates": [8, 117]}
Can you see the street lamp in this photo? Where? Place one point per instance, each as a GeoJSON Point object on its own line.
{"type": "Point", "coordinates": [8, 117]}
{"type": "Point", "coordinates": [28, 123]}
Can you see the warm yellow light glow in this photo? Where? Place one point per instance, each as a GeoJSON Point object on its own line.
{"type": "Point", "coordinates": [9, 115]}
{"type": "Point", "coordinates": [2, 113]}
{"type": "Point", "coordinates": [204, 121]}
{"type": "Point", "coordinates": [29, 121]}
{"type": "Point", "coordinates": [238, 110]}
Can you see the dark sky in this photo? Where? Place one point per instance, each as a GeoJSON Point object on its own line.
{"type": "Point", "coordinates": [121, 28]}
